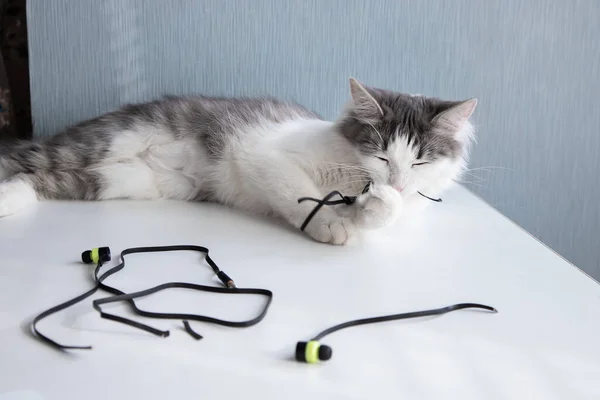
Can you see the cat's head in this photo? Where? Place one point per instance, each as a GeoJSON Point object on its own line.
{"type": "Point", "coordinates": [414, 143]}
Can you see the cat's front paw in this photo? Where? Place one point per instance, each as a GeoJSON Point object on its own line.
{"type": "Point", "coordinates": [332, 229]}
{"type": "Point", "coordinates": [379, 207]}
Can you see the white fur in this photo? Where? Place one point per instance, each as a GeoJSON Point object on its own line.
{"type": "Point", "coordinates": [15, 195]}
{"type": "Point", "coordinates": [148, 164]}
{"type": "Point", "coordinates": [379, 207]}
{"type": "Point", "coordinates": [273, 165]}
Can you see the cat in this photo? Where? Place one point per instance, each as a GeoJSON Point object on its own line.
{"type": "Point", "coordinates": [259, 155]}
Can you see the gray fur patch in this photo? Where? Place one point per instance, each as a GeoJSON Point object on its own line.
{"type": "Point", "coordinates": [59, 166]}
{"type": "Point", "coordinates": [403, 116]}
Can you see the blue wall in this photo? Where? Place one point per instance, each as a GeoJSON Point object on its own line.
{"type": "Point", "coordinates": [534, 65]}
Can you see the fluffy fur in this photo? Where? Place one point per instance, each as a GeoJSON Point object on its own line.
{"type": "Point", "coordinates": [259, 155]}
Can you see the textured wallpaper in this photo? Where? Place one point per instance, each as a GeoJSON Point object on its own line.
{"type": "Point", "coordinates": [534, 65]}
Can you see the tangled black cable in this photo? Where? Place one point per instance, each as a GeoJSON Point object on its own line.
{"type": "Point", "coordinates": [325, 201]}
{"type": "Point", "coordinates": [101, 256]}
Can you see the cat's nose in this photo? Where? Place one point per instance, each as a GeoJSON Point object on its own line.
{"type": "Point", "coordinates": [399, 188]}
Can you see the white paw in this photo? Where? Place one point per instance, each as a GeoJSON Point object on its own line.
{"type": "Point", "coordinates": [331, 229]}
{"type": "Point", "coordinates": [15, 195]}
{"type": "Point", "coordinates": [379, 207]}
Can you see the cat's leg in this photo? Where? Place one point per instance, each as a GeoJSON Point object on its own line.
{"type": "Point", "coordinates": [127, 179]}
{"type": "Point", "coordinates": [16, 193]}
{"type": "Point", "coordinates": [283, 185]}
{"type": "Point", "coordinates": [377, 208]}
{"type": "Point", "coordinates": [24, 189]}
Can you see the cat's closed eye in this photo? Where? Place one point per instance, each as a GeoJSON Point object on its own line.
{"type": "Point", "coordinates": [420, 163]}
{"type": "Point", "coordinates": [385, 160]}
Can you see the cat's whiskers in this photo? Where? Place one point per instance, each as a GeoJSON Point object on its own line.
{"type": "Point", "coordinates": [356, 178]}
{"type": "Point", "coordinates": [346, 179]}
{"type": "Point", "coordinates": [347, 165]}
{"type": "Point", "coordinates": [474, 184]}
{"type": "Point", "coordinates": [474, 176]}
{"type": "Point", "coordinates": [343, 169]}
{"type": "Point", "coordinates": [344, 172]}
{"type": "Point", "coordinates": [340, 174]}
{"type": "Point", "coordinates": [355, 181]}
{"type": "Point", "coordinates": [488, 169]}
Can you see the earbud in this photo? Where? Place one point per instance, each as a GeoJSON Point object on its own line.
{"type": "Point", "coordinates": [312, 352]}
{"type": "Point", "coordinates": [99, 254]}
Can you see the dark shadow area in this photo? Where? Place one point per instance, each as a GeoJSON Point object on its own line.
{"type": "Point", "coordinates": [15, 102]}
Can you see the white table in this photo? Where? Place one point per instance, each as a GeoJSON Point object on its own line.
{"type": "Point", "coordinates": [543, 344]}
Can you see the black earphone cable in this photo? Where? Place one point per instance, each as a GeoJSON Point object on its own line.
{"type": "Point", "coordinates": [430, 198]}
{"type": "Point", "coordinates": [227, 281]}
{"type": "Point", "coordinates": [394, 317]}
{"type": "Point", "coordinates": [54, 310]}
{"type": "Point", "coordinates": [325, 201]}
{"type": "Point", "coordinates": [348, 200]}
{"type": "Point", "coordinates": [190, 331]}
{"type": "Point", "coordinates": [313, 351]}
{"type": "Point", "coordinates": [118, 295]}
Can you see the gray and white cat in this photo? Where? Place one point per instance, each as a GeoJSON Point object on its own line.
{"type": "Point", "coordinates": [258, 155]}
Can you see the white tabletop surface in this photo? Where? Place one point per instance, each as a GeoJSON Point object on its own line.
{"type": "Point", "coordinates": [543, 344]}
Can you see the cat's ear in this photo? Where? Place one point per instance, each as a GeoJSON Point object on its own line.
{"type": "Point", "coordinates": [363, 103]}
{"type": "Point", "coordinates": [453, 120]}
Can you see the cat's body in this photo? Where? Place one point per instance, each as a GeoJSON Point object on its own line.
{"type": "Point", "coordinates": [259, 155]}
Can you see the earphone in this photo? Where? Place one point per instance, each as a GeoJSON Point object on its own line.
{"type": "Point", "coordinates": [312, 352]}
{"type": "Point", "coordinates": [101, 255]}
{"type": "Point", "coordinates": [96, 255]}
